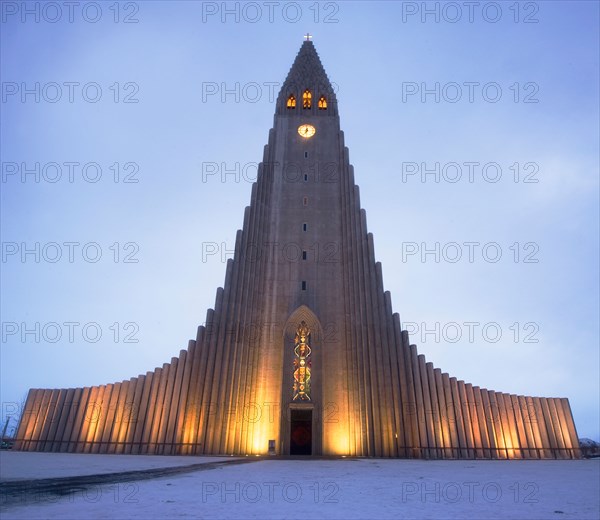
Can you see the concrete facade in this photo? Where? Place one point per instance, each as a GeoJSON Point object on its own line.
{"type": "Point", "coordinates": [304, 258]}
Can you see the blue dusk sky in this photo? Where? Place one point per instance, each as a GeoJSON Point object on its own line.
{"type": "Point", "coordinates": [130, 135]}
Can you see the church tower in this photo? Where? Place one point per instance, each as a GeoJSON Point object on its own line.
{"type": "Point", "coordinates": [302, 353]}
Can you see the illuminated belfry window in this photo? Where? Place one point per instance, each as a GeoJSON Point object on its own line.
{"type": "Point", "coordinates": [291, 102]}
{"type": "Point", "coordinates": [322, 103]}
{"type": "Point", "coordinates": [302, 363]}
{"type": "Point", "coordinates": [307, 99]}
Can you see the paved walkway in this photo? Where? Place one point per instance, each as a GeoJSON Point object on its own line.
{"type": "Point", "coordinates": [58, 474]}
{"type": "Point", "coordinates": [21, 465]}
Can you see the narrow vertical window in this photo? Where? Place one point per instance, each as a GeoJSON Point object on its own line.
{"type": "Point", "coordinates": [305, 201]}
{"type": "Point", "coordinates": [291, 102]}
{"type": "Point", "coordinates": [302, 363]}
{"type": "Point", "coordinates": [303, 255]}
{"type": "Point", "coordinates": [307, 99]}
{"type": "Point", "coordinates": [322, 103]}
{"type": "Point", "coordinates": [306, 155]}
{"type": "Point", "coordinates": [305, 177]}
{"type": "Point", "coordinates": [303, 285]}
{"type": "Point", "coordinates": [304, 226]}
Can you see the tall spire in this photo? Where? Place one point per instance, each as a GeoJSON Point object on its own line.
{"type": "Point", "coordinates": [307, 72]}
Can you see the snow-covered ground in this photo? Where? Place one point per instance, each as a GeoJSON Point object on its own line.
{"type": "Point", "coordinates": [23, 465]}
{"type": "Point", "coordinates": [346, 488]}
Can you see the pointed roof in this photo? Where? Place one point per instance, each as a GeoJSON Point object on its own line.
{"type": "Point", "coordinates": [307, 72]}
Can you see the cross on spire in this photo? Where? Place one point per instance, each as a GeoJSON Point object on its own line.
{"type": "Point", "coordinates": [308, 37]}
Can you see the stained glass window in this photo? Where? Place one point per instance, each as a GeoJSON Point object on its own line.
{"type": "Point", "coordinates": [291, 102]}
{"type": "Point", "coordinates": [302, 363]}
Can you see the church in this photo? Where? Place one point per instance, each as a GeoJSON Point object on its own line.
{"type": "Point", "coordinates": [302, 353]}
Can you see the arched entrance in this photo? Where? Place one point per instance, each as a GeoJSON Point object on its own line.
{"type": "Point", "coordinates": [301, 429]}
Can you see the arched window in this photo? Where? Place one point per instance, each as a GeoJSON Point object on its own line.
{"type": "Point", "coordinates": [322, 103]}
{"type": "Point", "coordinates": [307, 99]}
{"type": "Point", "coordinates": [291, 102]}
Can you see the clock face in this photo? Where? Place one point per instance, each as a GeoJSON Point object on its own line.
{"type": "Point", "coordinates": [306, 130]}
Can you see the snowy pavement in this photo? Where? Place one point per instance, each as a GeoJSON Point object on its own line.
{"type": "Point", "coordinates": [344, 488]}
{"type": "Point", "coordinates": [24, 465]}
